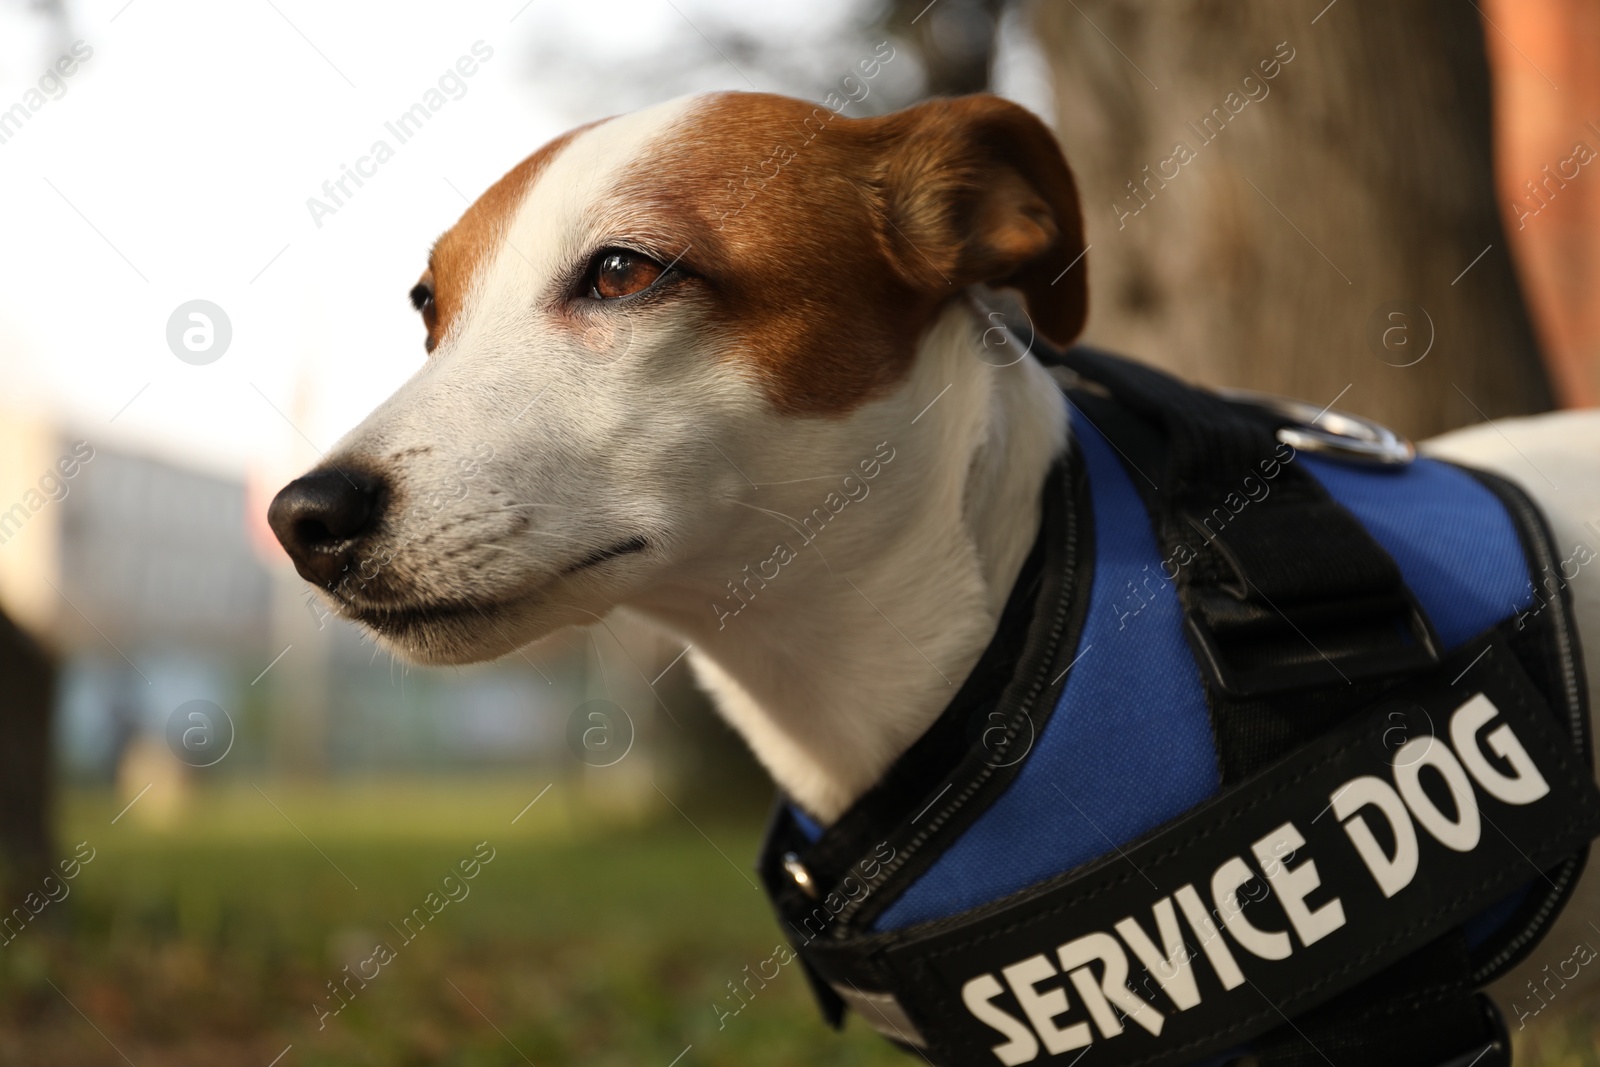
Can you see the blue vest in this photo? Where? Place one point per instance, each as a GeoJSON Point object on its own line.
{"type": "Point", "coordinates": [1098, 877]}
{"type": "Point", "coordinates": [1116, 727]}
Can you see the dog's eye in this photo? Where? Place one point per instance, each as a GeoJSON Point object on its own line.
{"type": "Point", "coordinates": [421, 297]}
{"type": "Point", "coordinates": [617, 272]}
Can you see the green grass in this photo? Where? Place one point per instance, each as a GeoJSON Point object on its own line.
{"type": "Point", "coordinates": [591, 939]}
{"type": "Point", "coordinates": [206, 928]}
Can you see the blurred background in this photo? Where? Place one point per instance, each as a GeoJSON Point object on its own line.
{"type": "Point", "coordinates": [1403, 217]}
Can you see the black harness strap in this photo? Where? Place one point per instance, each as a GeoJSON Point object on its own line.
{"type": "Point", "coordinates": [1420, 1011]}
{"type": "Point", "coordinates": [1283, 589]}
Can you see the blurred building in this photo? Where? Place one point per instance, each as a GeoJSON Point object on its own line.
{"type": "Point", "coordinates": [142, 576]}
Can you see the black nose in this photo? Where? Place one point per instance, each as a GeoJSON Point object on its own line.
{"type": "Point", "coordinates": [320, 518]}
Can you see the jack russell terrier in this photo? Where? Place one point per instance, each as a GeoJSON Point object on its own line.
{"type": "Point", "coordinates": [644, 375]}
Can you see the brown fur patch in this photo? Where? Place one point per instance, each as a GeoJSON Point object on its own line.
{"type": "Point", "coordinates": [827, 245]}
{"type": "Point", "coordinates": [457, 255]}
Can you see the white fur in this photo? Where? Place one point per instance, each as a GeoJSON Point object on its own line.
{"type": "Point", "coordinates": [848, 656]}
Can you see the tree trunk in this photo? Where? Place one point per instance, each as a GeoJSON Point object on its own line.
{"type": "Point", "coordinates": [27, 693]}
{"type": "Point", "coordinates": [954, 40]}
{"type": "Point", "coordinates": [1297, 198]}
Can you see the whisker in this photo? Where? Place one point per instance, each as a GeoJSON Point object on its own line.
{"type": "Point", "coordinates": [793, 525]}
{"type": "Point", "coordinates": [793, 481]}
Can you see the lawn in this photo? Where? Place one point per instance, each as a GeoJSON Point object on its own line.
{"type": "Point", "coordinates": [209, 931]}
{"type": "Point", "coordinates": [590, 936]}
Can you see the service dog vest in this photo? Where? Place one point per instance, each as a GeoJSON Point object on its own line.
{"type": "Point", "coordinates": [1273, 752]}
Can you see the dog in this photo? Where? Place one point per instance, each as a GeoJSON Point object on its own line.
{"type": "Point", "coordinates": [652, 370]}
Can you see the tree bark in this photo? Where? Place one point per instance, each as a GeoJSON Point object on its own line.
{"type": "Point", "coordinates": [1297, 198]}
{"type": "Point", "coordinates": [954, 40]}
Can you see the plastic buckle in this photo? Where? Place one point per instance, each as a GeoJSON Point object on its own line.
{"type": "Point", "coordinates": [1390, 634]}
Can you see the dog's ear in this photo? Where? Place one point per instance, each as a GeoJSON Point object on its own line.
{"type": "Point", "coordinates": [977, 190]}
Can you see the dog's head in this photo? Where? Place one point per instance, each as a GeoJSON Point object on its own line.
{"type": "Point", "coordinates": [644, 319]}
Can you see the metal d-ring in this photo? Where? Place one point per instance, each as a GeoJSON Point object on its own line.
{"type": "Point", "coordinates": [1331, 433]}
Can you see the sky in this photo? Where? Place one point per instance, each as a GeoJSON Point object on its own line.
{"type": "Point", "coordinates": [176, 162]}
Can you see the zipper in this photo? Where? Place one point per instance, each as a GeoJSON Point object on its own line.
{"type": "Point", "coordinates": [1533, 522]}
{"type": "Point", "coordinates": [841, 927]}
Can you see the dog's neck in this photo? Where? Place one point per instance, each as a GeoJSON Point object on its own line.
{"type": "Point", "coordinates": [837, 665]}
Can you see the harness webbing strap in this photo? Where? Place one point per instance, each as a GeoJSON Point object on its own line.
{"type": "Point", "coordinates": [1420, 1011]}
{"type": "Point", "coordinates": [1283, 589]}
{"type": "Point", "coordinates": [1222, 594]}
